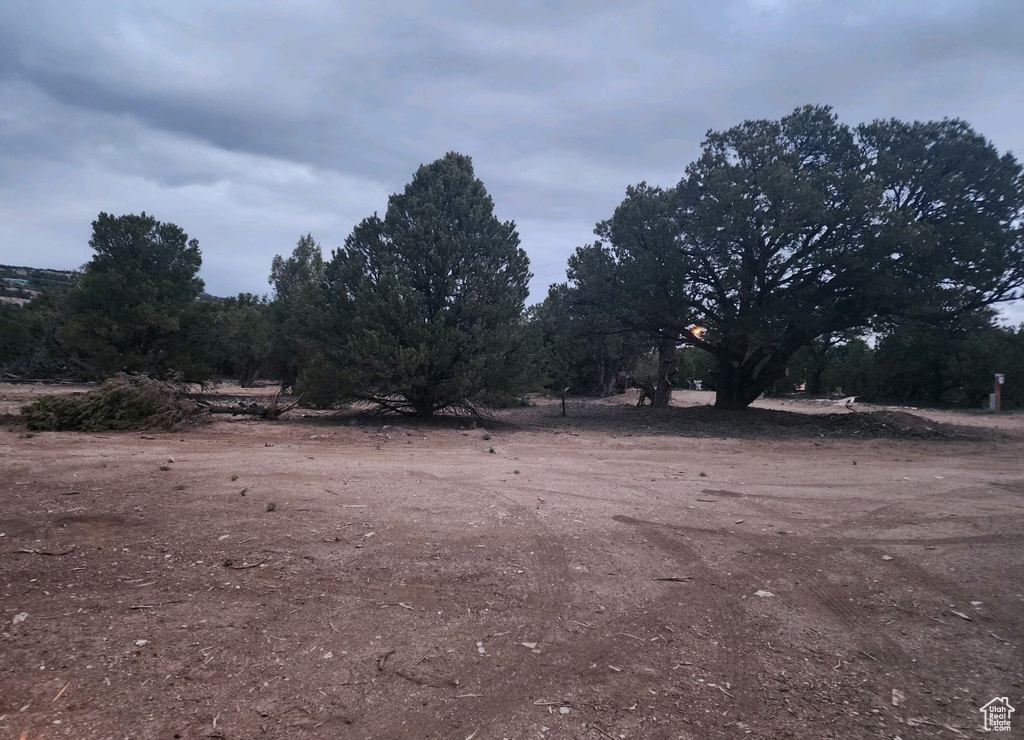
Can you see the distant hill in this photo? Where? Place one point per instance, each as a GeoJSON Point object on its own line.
{"type": "Point", "coordinates": [19, 285]}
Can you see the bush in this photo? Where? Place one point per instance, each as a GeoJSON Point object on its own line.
{"type": "Point", "coordinates": [123, 402]}
{"type": "Point", "coordinates": [321, 384]}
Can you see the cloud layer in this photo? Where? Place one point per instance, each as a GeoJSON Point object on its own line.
{"type": "Point", "coordinates": [251, 123]}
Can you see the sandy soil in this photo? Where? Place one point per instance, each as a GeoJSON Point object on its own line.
{"type": "Point", "coordinates": [619, 573]}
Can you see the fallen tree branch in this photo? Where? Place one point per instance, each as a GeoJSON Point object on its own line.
{"type": "Point", "coordinates": [270, 410]}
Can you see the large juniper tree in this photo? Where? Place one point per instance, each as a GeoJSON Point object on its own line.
{"type": "Point", "coordinates": [433, 293]}
{"type": "Point", "coordinates": [785, 231]}
{"type": "Point", "coordinates": [777, 229]}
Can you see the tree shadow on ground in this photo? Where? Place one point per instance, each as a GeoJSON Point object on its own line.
{"type": "Point", "coordinates": [707, 421]}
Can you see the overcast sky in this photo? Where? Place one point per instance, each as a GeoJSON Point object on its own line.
{"type": "Point", "coordinates": [250, 123]}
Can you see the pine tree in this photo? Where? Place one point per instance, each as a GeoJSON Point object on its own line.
{"type": "Point", "coordinates": [434, 293]}
{"type": "Point", "coordinates": [126, 311]}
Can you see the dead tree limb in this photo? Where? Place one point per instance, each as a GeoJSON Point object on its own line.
{"type": "Point", "coordinates": [272, 410]}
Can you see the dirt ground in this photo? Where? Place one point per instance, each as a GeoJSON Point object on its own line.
{"type": "Point", "coordinates": [799, 571]}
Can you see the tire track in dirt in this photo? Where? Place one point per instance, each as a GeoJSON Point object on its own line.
{"type": "Point", "coordinates": [810, 588]}
{"type": "Point", "coordinates": [886, 516]}
{"type": "Point", "coordinates": [835, 600]}
{"type": "Point", "coordinates": [947, 589]}
{"type": "Point", "coordinates": [760, 504]}
{"type": "Point", "coordinates": [841, 604]}
{"type": "Point", "coordinates": [978, 539]}
{"type": "Point", "coordinates": [894, 627]}
{"type": "Point", "coordinates": [732, 625]}
{"type": "Point", "coordinates": [1016, 486]}
{"type": "Point", "coordinates": [511, 690]}
{"type": "Point", "coordinates": [836, 604]}
{"type": "Point", "coordinates": [565, 669]}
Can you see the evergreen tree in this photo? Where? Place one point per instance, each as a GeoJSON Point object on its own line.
{"type": "Point", "coordinates": [29, 346]}
{"type": "Point", "coordinates": [586, 346]}
{"type": "Point", "coordinates": [786, 231]}
{"type": "Point", "coordinates": [296, 313]}
{"type": "Point", "coordinates": [433, 294]}
{"type": "Point", "coordinates": [125, 313]}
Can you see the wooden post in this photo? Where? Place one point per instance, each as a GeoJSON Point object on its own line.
{"type": "Point", "coordinates": [1000, 379]}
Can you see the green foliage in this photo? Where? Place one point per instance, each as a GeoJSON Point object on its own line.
{"type": "Point", "coordinates": [29, 346]}
{"type": "Point", "coordinates": [301, 323]}
{"type": "Point", "coordinates": [916, 362]}
{"type": "Point", "coordinates": [228, 337]}
{"type": "Point", "coordinates": [854, 372]}
{"type": "Point", "coordinates": [813, 367]}
{"type": "Point", "coordinates": [244, 331]}
{"type": "Point", "coordinates": [640, 240]}
{"type": "Point", "coordinates": [429, 298]}
{"type": "Point", "coordinates": [943, 364]}
{"type": "Point", "coordinates": [696, 364]}
{"type": "Point", "coordinates": [14, 333]}
{"type": "Point", "coordinates": [126, 311]}
{"type": "Point", "coordinates": [123, 402]}
{"type": "Point", "coordinates": [323, 383]}
{"type": "Point", "coordinates": [583, 345]}
{"type": "Point", "coordinates": [198, 347]}
{"type": "Point", "coordinates": [786, 231]}
{"type": "Point", "coordinates": [952, 207]}
{"type": "Point", "coordinates": [787, 240]}
{"type": "Point", "coordinates": [1011, 364]}
{"type": "Point", "coordinates": [692, 364]}
{"type": "Point", "coordinates": [776, 221]}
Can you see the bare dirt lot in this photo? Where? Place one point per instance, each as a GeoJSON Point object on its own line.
{"type": "Point", "coordinates": [620, 573]}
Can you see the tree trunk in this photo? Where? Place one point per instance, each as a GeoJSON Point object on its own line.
{"type": "Point", "coordinates": [938, 387]}
{"type": "Point", "coordinates": [248, 373]}
{"type": "Point", "coordinates": [819, 364]}
{"type": "Point", "coordinates": [606, 382]}
{"type": "Point", "coordinates": [424, 408]}
{"type": "Point", "coordinates": [739, 382]}
{"type": "Point", "coordinates": [289, 377]}
{"type": "Point", "coordinates": [666, 369]}
{"type": "Point", "coordinates": [816, 380]}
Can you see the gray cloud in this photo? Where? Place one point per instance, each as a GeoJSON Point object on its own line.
{"type": "Point", "coordinates": [252, 123]}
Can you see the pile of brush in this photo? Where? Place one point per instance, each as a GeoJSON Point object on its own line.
{"type": "Point", "coordinates": [121, 403]}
